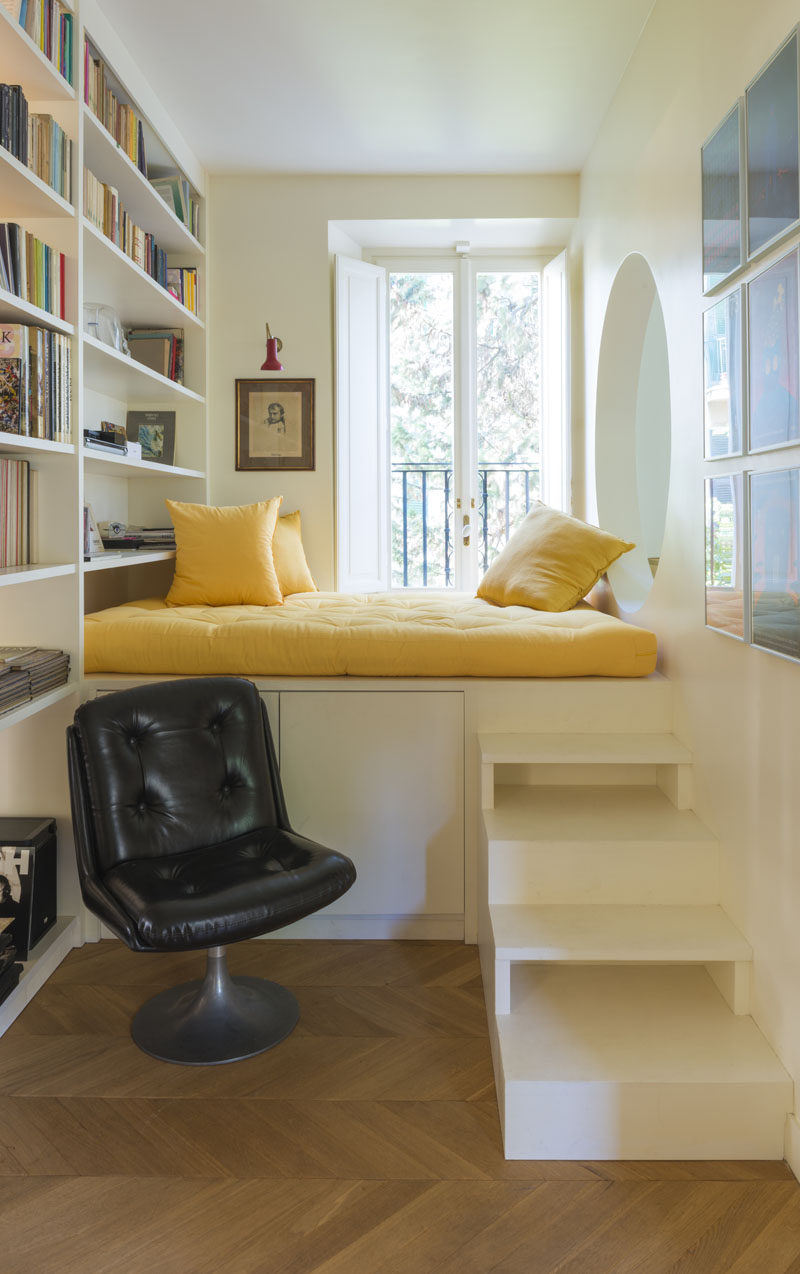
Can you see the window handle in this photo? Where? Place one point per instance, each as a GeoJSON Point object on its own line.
{"type": "Point", "coordinates": [465, 528]}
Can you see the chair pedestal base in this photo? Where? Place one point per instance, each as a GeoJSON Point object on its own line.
{"type": "Point", "coordinates": [221, 1019]}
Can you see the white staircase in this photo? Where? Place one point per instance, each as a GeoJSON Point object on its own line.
{"type": "Point", "coordinates": [617, 987]}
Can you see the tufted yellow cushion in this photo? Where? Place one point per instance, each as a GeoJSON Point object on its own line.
{"type": "Point", "coordinates": [224, 555]}
{"type": "Point", "coordinates": [551, 561]}
{"type": "Point", "coordinates": [290, 558]}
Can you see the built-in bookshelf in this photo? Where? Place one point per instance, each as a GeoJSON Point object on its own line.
{"type": "Point", "coordinates": [42, 602]}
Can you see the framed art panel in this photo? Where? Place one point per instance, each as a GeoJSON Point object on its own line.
{"type": "Point", "coordinates": [725, 565]}
{"type": "Point", "coordinates": [722, 378]}
{"type": "Point", "coordinates": [774, 350]}
{"type": "Point", "coordinates": [775, 561]}
{"type": "Point", "coordinates": [773, 181]}
{"type": "Point", "coordinates": [721, 161]}
{"type": "Point", "coordinates": [275, 424]}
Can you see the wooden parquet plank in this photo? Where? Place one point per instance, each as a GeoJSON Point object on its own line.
{"type": "Point", "coordinates": [368, 1142]}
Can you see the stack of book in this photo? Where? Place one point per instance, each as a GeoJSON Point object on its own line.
{"type": "Point", "coordinates": [105, 440]}
{"type": "Point", "coordinates": [28, 671]}
{"type": "Point", "coordinates": [35, 140]}
{"type": "Point", "coordinates": [32, 270]}
{"type": "Point", "coordinates": [103, 208]}
{"type": "Point", "coordinates": [177, 195]}
{"type": "Point", "coordinates": [182, 284]}
{"type": "Point", "coordinates": [49, 24]}
{"type": "Point", "coordinates": [10, 970]}
{"type": "Point", "coordinates": [117, 116]}
{"type": "Point", "coordinates": [35, 382]}
{"type": "Point", "coordinates": [159, 348]}
{"type": "Point", "coordinates": [17, 516]}
{"type": "Point", "coordinates": [121, 535]}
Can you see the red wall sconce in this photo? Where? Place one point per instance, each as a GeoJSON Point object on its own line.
{"type": "Point", "coordinates": [274, 344]}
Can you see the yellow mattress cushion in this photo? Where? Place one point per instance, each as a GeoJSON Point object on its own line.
{"type": "Point", "coordinates": [366, 635]}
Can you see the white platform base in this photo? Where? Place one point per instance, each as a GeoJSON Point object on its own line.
{"type": "Point", "coordinates": [634, 1063]}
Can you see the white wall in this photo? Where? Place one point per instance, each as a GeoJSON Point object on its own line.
{"type": "Point", "coordinates": [269, 262]}
{"type": "Point", "coordinates": [738, 707]}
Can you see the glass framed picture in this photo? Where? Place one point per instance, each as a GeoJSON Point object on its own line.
{"type": "Point", "coordinates": [725, 566]}
{"type": "Point", "coordinates": [774, 349]}
{"type": "Point", "coordinates": [721, 162]}
{"type": "Point", "coordinates": [773, 181]}
{"type": "Point", "coordinates": [775, 561]}
{"type": "Point", "coordinates": [722, 378]}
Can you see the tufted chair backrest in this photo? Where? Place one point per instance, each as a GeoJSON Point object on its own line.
{"type": "Point", "coordinates": [176, 765]}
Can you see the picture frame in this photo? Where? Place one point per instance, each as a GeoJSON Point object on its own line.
{"type": "Point", "coordinates": [723, 361]}
{"type": "Point", "coordinates": [155, 430]}
{"type": "Point", "coordinates": [722, 196]}
{"type": "Point", "coordinates": [772, 124]}
{"type": "Point", "coordinates": [726, 568]}
{"type": "Point", "coordinates": [775, 561]}
{"type": "Point", "coordinates": [275, 424]}
{"type": "Point", "coordinates": [773, 330]}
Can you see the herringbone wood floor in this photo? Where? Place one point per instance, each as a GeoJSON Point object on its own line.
{"type": "Point", "coordinates": [367, 1143]}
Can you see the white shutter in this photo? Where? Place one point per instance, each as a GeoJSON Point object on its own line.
{"type": "Point", "coordinates": [362, 428]}
{"type": "Point", "coordinates": [556, 449]}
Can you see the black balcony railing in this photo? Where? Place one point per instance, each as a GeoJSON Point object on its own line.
{"type": "Point", "coordinates": [423, 527]}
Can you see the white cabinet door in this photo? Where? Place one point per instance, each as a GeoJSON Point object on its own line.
{"type": "Point", "coordinates": [380, 776]}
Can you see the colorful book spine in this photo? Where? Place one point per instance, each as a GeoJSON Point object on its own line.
{"type": "Point", "coordinates": [32, 270]}
{"type": "Point", "coordinates": [14, 512]}
{"type": "Point", "coordinates": [35, 382]}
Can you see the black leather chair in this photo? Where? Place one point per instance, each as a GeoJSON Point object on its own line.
{"type": "Point", "coordinates": [183, 843]}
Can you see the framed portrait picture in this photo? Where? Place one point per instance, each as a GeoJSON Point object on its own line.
{"type": "Point", "coordinates": [721, 160]}
{"type": "Point", "coordinates": [155, 430]}
{"type": "Point", "coordinates": [275, 424]}
{"type": "Point", "coordinates": [725, 565]}
{"type": "Point", "coordinates": [772, 321]}
{"type": "Point", "coordinates": [773, 181]}
{"type": "Point", "coordinates": [775, 561]}
{"type": "Point", "coordinates": [722, 378]}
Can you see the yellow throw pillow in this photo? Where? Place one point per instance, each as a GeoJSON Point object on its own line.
{"type": "Point", "coordinates": [290, 558]}
{"type": "Point", "coordinates": [224, 555]}
{"type": "Point", "coordinates": [550, 562]}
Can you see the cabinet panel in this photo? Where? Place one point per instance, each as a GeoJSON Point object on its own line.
{"type": "Point", "coordinates": [380, 776]}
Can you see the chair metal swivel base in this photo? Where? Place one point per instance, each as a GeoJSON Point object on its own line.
{"type": "Point", "coordinates": [219, 1019]}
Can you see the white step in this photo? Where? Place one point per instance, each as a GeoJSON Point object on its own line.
{"type": "Point", "coordinates": [597, 844]}
{"type": "Point", "coordinates": [561, 934]}
{"type": "Point", "coordinates": [619, 1062]}
{"type": "Point", "coordinates": [583, 749]}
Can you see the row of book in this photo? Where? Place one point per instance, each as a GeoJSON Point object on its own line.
{"type": "Point", "coordinates": [116, 116]}
{"type": "Point", "coordinates": [10, 968]}
{"type": "Point", "coordinates": [177, 195]}
{"type": "Point", "coordinates": [119, 535]}
{"type": "Point", "coordinates": [28, 671]}
{"type": "Point", "coordinates": [17, 513]}
{"type": "Point", "coordinates": [160, 349]}
{"type": "Point", "coordinates": [103, 209]}
{"type": "Point", "coordinates": [32, 270]}
{"type": "Point", "coordinates": [182, 284]}
{"type": "Point", "coordinates": [37, 141]}
{"type": "Point", "coordinates": [49, 23]}
{"type": "Point", "coordinates": [35, 382]}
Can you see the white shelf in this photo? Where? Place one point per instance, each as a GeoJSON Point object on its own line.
{"type": "Point", "coordinates": [24, 442]}
{"type": "Point", "coordinates": [15, 310]}
{"type": "Point", "coordinates": [583, 749]}
{"type": "Point", "coordinates": [22, 63]}
{"type": "Point", "coordinates": [134, 557]}
{"type": "Point", "coordinates": [113, 278]}
{"type": "Point", "coordinates": [97, 462]}
{"type": "Point", "coordinates": [30, 574]}
{"type": "Point", "coordinates": [144, 205]}
{"type": "Point", "coordinates": [25, 194]}
{"type": "Point", "coordinates": [45, 958]}
{"type": "Point", "coordinates": [120, 376]}
{"type": "Point", "coordinates": [34, 706]}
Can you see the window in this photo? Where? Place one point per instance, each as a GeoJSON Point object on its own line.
{"type": "Point", "coordinates": [474, 428]}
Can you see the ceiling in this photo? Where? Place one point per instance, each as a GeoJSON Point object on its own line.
{"type": "Point", "coordinates": [379, 86]}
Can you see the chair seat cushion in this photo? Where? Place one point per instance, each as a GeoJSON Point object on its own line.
{"type": "Point", "coordinates": [224, 893]}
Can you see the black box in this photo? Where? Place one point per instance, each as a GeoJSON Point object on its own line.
{"type": "Point", "coordinates": [28, 879]}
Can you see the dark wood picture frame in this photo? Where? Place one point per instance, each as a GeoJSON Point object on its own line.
{"type": "Point", "coordinates": [275, 424]}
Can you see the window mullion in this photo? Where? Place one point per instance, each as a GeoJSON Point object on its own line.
{"type": "Point", "coordinates": [465, 457]}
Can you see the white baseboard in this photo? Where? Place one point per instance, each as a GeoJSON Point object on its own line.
{"type": "Point", "coordinates": [792, 1144]}
{"type": "Point", "coordinates": [422, 928]}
